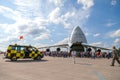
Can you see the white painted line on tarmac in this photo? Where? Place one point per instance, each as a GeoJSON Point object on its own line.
{"type": "Point", "coordinates": [99, 75]}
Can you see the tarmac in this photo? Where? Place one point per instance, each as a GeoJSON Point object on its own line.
{"type": "Point", "coordinates": [58, 68]}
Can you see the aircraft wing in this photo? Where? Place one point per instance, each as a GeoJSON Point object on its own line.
{"type": "Point", "coordinates": [67, 45]}
{"type": "Point", "coordinates": [87, 45]}
{"type": "Point", "coordinates": [59, 45]}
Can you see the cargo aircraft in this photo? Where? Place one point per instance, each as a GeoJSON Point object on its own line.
{"type": "Point", "coordinates": [77, 38]}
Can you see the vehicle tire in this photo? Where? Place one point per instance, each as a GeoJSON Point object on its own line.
{"type": "Point", "coordinates": [13, 59]}
{"type": "Point", "coordinates": [38, 58]}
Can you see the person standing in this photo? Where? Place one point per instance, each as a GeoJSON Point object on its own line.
{"type": "Point", "coordinates": [93, 54]}
{"type": "Point", "coordinates": [73, 55]}
{"type": "Point", "coordinates": [115, 56]}
{"type": "Point", "coordinates": [108, 55]}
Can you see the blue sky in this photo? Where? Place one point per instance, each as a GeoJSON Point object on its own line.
{"type": "Point", "coordinates": [48, 22]}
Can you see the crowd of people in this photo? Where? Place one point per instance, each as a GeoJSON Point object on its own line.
{"type": "Point", "coordinates": [87, 54]}
{"type": "Point", "coordinates": [114, 54]}
{"type": "Point", "coordinates": [57, 54]}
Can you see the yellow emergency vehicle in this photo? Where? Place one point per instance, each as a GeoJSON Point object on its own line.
{"type": "Point", "coordinates": [15, 52]}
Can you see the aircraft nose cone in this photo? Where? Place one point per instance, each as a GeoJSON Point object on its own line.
{"type": "Point", "coordinates": [77, 36]}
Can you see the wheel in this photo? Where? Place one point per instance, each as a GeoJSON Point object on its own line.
{"type": "Point", "coordinates": [13, 59]}
{"type": "Point", "coordinates": [38, 58]}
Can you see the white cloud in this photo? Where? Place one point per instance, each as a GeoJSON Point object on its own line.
{"type": "Point", "coordinates": [28, 8]}
{"type": "Point", "coordinates": [110, 24]}
{"type": "Point", "coordinates": [101, 44]}
{"type": "Point", "coordinates": [23, 24]}
{"type": "Point", "coordinates": [64, 41]}
{"type": "Point", "coordinates": [28, 28]}
{"type": "Point", "coordinates": [70, 18]}
{"type": "Point", "coordinates": [114, 33]}
{"type": "Point", "coordinates": [86, 33]}
{"type": "Point", "coordinates": [96, 35]}
{"type": "Point", "coordinates": [10, 13]}
{"type": "Point", "coordinates": [40, 45]}
{"type": "Point", "coordinates": [80, 17]}
{"type": "Point", "coordinates": [54, 15]}
{"type": "Point", "coordinates": [42, 36]}
{"type": "Point", "coordinates": [68, 15]}
{"type": "Point", "coordinates": [86, 3]}
{"type": "Point", "coordinates": [113, 2]}
{"type": "Point", "coordinates": [117, 41]}
{"type": "Point", "coordinates": [9, 39]}
{"type": "Point", "coordinates": [97, 44]}
{"type": "Point", "coordinates": [64, 18]}
{"type": "Point", "coordinates": [57, 2]}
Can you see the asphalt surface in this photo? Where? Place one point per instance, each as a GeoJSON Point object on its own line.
{"type": "Point", "coordinates": [50, 68]}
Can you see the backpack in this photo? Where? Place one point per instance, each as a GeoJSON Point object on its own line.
{"type": "Point", "coordinates": [117, 51]}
